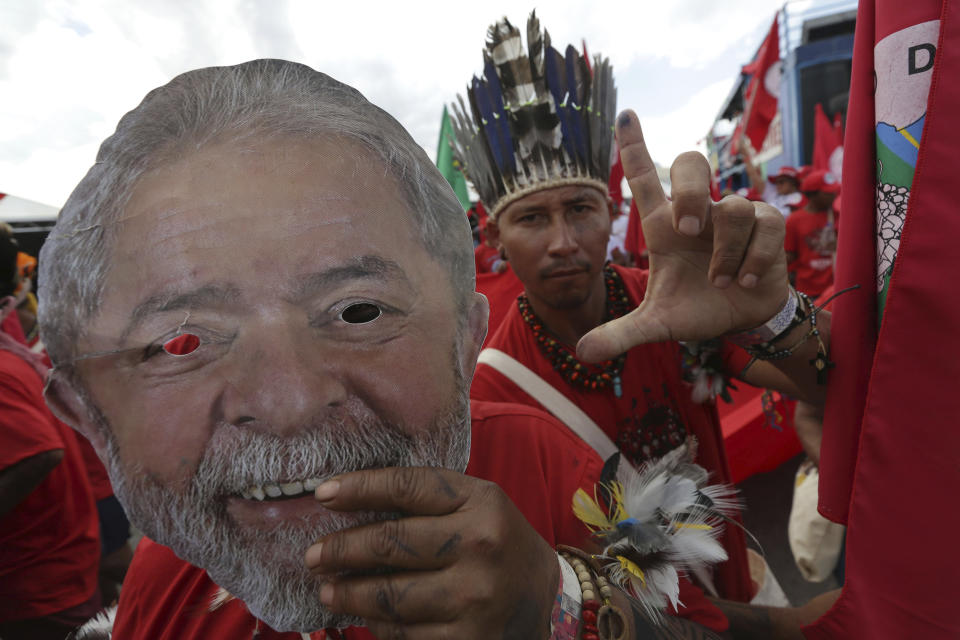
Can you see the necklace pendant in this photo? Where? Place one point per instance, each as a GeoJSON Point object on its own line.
{"type": "Point", "coordinates": [617, 389]}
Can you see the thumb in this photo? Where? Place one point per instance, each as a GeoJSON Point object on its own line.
{"type": "Point", "coordinates": [617, 336]}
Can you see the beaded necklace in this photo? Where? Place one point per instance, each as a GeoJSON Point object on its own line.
{"type": "Point", "coordinates": [562, 358]}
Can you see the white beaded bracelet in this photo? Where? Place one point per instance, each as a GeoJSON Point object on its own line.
{"type": "Point", "coordinates": [771, 328]}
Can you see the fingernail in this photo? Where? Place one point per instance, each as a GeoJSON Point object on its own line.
{"type": "Point", "coordinates": [327, 491]}
{"type": "Point", "coordinates": [312, 558]}
{"type": "Point", "coordinates": [748, 281]}
{"type": "Point", "coordinates": [624, 119]}
{"type": "Point", "coordinates": [722, 282]}
{"type": "Point", "coordinates": [326, 594]}
{"type": "Point", "coordinates": [689, 226]}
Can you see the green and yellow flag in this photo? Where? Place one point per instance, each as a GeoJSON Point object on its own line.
{"type": "Point", "coordinates": [448, 166]}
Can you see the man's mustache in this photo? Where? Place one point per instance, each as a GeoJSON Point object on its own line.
{"type": "Point", "coordinates": [564, 267]}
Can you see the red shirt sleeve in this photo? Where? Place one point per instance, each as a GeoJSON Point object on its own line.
{"type": "Point", "coordinates": [25, 428]}
{"type": "Point", "coordinates": [538, 463]}
{"type": "Point", "coordinates": [790, 239]}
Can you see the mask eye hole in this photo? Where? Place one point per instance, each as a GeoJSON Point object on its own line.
{"type": "Point", "coordinates": [360, 313]}
{"type": "Point", "coordinates": [183, 344]}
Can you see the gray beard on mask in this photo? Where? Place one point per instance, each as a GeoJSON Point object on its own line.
{"type": "Point", "coordinates": [266, 569]}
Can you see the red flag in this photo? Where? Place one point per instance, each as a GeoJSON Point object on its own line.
{"type": "Point", "coordinates": [634, 242]}
{"type": "Point", "coordinates": [890, 445]}
{"type": "Point", "coordinates": [827, 141]}
{"type": "Point", "coordinates": [760, 97]}
{"type": "Point", "coordinates": [615, 183]}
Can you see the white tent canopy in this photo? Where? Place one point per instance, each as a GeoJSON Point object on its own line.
{"type": "Point", "coordinates": [14, 209]}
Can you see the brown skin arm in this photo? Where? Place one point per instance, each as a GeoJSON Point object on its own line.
{"type": "Point", "coordinates": [808, 422]}
{"type": "Point", "coordinates": [795, 375]}
{"type": "Point", "coordinates": [671, 628]}
{"type": "Point", "coordinates": [750, 622]}
{"type": "Point", "coordinates": [753, 173]}
{"type": "Point", "coordinates": [18, 480]}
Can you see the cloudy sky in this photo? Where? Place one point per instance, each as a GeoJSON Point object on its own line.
{"type": "Point", "coordinates": [70, 68]}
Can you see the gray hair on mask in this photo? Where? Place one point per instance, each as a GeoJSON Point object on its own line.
{"type": "Point", "coordinates": [261, 98]}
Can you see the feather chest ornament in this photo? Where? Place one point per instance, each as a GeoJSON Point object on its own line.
{"type": "Point", "coordinates": [534, 119]}
{"type": "Point", "coordinates": [656, 523]}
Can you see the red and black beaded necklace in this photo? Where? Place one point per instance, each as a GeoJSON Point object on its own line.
{"type": "Point", "coordinates": [563, 358]}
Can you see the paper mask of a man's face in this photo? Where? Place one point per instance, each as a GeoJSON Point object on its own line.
{"type": "Point", "coordinates": [269, 318]}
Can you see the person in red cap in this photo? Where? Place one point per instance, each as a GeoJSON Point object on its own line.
{"type": "Point", "coordinates": [781, 189]}
{"type": "Point", "coordinates": [811, 239]}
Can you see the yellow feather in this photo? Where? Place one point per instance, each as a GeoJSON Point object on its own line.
{"type": "Point", "coordinates": [616, 494]}
{"type": "Point", "coordinates": [631, 567]}
{"type": "Point", "coordinates": [589, 512]}
{"type": "Point", "coordinates": [684, 525]}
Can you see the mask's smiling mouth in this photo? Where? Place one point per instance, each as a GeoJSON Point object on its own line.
{"type": "Point", "coordinates": [273, 491]}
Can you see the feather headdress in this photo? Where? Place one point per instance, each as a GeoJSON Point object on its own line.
{"type": "Point", "coordinates": [535, 118]}
{"type": "Point", "coordinates": [657, 522]}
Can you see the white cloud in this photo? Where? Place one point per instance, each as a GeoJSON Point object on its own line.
{"type": "Point", "coordinates": [70, 68]}
{"type": "Point", "coordinates": [684, 129]}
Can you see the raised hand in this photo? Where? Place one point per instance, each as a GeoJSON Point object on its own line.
{"type": "Point", "coordinates": [715, 267]}
{"type": "Point", "coordinates": [461, 562]}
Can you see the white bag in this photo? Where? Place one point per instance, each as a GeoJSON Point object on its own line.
{"type": "Point", "coordinates": [815, 541]}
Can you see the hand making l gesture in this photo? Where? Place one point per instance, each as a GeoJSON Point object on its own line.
{"type": "Point", "coordinates": [715, 267]}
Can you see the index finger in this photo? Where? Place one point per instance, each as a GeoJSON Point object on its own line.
{"type": "Point", "coordinates": [427, 491]}
{"type": "Point", "coordinates": [638, 167]}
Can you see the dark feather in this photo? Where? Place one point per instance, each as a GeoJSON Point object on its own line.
{"type": "Point", "coordinates": [480, 156]}
{"type": "Point", "coordinates": [557, 84]}
{"type": "Point", "coordinates": [500, 123]}
{"type": "Point", "coordinates": [608, 475]}
{"type": "Point", "coordinates": [578, 83]}
{"type": "Point", "coordinates": [483, 114]}
{"type": "Point", "coordinates": [645, 538]}
{"type": "Point", "coordinates": [535, 47]}
{"type": "Point", "coordinates": [512, 64]}
{"type": "Point", "coordinates": [602, 112]}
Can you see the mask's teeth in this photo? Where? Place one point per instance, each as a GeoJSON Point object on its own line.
{"type": "Point", "coordinates": [246, 494]}
{"type": "Point", "coordinates": [272, 490]}
{"type": "Point", "coordinates": [257, 492]}
{"type": "Point", "coordinates": [291, 488]}
{"type": "Point", "coordinates": [311, 483]}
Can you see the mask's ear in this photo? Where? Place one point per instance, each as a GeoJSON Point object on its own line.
{"type": "Point", "coordinates": [477, 316]}
{"type": "Point", "coordinates": [68, 404]}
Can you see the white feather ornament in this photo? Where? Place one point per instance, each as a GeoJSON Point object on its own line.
{"type": "Point", "coordinates": [656, 523]}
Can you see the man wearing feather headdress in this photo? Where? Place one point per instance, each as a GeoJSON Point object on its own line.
{"type": "Point", "coordinates": [535, 138]}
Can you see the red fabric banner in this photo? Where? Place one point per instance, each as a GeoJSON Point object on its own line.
{"type": "Point", "coordinates": [760, 98]}
{"type": "Point", "coordinates": [827, 138]}
{"type": "Point", "coordinates": [889, 457]}
{"type": "Point", "coordinates": [615, 183]}
{"type": "Point", "coordinates": [634, 243]}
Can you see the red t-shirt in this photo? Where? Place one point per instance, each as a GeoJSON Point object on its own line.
{"type": "Point", "coordinates": [654, 414]}
{"type": "Point", "coordinates": [813, 239]}
{"type": "Point", "coordinates": [50, 542]}
{"type": "Point", "coordinates": [501, 290]}
{"type": "Point", "coordinates": [484, 257]}
{"type": "Point", "coordinates": [535, 459]}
